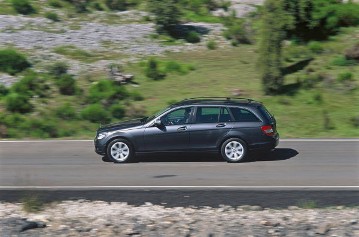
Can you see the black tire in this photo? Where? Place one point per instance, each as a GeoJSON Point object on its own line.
{"type": "Point", "coordinates": [124, 149]}
{"type": "Point", "coordinates": [234, 150]}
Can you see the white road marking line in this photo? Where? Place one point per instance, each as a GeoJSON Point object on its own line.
{"type": "Point", "coordinates": [180, 187]}
{"type": "Point", "coordinates": [281, 140]}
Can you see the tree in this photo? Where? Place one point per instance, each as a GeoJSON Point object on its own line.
{"type": "Point", "coordinates": [275, 21]}
{"type": "Point", "coordinates": [167, 13]}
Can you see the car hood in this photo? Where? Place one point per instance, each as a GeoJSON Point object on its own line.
{"type": "Point", "coordinates": [122, 125]}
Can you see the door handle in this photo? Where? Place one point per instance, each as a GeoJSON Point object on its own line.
{"type": "Point", "coordinates": [220, 125]}
{"type": "Point", "coordinates": [183, 128]}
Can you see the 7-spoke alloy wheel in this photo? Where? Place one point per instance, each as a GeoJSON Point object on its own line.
{"type": "Point", "coordinates": [234, 150]}
{"type": "Point", "coordinates": [120, 151]}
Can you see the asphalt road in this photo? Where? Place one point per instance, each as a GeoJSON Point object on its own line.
{"type": "Point", "coordinates": [73, 163]}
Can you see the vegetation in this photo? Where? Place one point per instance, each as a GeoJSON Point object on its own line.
{"type": "Point", "coordinates": [167, 14]}
{"type": "Point", "coordinates": [23, 7]}
{"type": "Point", "coordinates": [272, 34]}
{"type": "Point", "coordinates": [52, 16]}
{"type": "Point", "coordinates": [32, 203]}
{"type": "Point", "coordinates": [308, 56]}
{"type": "Point", "coordinates": [12, 62]}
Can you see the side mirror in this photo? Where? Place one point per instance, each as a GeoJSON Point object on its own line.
{"type": "Point", "coordinates": [158, 123]}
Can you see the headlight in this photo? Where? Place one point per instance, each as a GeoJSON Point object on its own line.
{"type": "Point", "coordinates": [101, 135]}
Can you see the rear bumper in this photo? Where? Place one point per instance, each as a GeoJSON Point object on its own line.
{"type": "Point", "coordinates": [269, 144]}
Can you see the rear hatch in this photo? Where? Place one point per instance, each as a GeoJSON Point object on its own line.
{"type": "Point", "coordinates": [269, 117]}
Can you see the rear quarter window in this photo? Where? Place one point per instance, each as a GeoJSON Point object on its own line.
{"type": "Point", "coordinates": [265, 113]}
{"type": "Point", "coordinates": [243, 115]}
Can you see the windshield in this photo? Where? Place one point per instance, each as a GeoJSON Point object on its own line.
{"type": "Point", "coordinates": [156, 115]}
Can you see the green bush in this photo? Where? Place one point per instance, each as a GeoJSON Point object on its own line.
{"type": "Point", "coordinates": [135, 95]}
{"type": "Point", "coordinates": [315, 47]}
{"type": "Point", "coordinates": [31, 84]}
{"type": "Point", "coordinates": [43, 128]}
{"type": "Point", "coordinates": [116, 5]}
{"type": "Point", "coordinates": [17, 103]}
{"type": "Point", "coordinates": [106, 90]}
{"type": "Point", "coordinates": [3, 90]}
{"type": "Point", "coordinates": [193, 37]}
{"type": "Point", "coordinates": [211, 45]}
{"type": "Point", "coordinates": [57, 69]}
{"type": "Point", "coordinates": [66, 111]}
{"type": "Point", "coordinates": [95, 113]}
{"type": "Point", "coordinates": [152, 70]}
{"type": "Point", "coordinates": [167, 13]}
{"type": "Point", "coordinates": [342, 61]}
{"type": "Point", "coordinates": [52, 16]}
{"type": "Point", "coordinates": [117, 111]}
{"type": "Point", "coordinates": [345, 76]}
{"type": "Point", "coordinates": [66, 84]}
{"type": "Point", "coordinates": [80, 5]}
{"type": "Point", "coordinates": [97, 6]}
{"type": "Point", "coordinates": [12, 61]}
{"type": "Point", "coordinates": [23, 7]}
{"type": "Point", "coordinates": [55, 3]}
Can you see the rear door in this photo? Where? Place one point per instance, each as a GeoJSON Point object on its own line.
{"type": "Point", "coordinates": [211, 124]}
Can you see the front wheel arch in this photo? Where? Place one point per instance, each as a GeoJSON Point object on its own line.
{"type": "Point", "coordinates": [132, 156]}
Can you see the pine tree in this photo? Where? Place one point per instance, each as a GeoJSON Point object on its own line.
{"type": "Point", "coordinates": [275, 21]}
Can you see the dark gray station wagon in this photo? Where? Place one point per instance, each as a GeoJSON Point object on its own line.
{"type": "Point", "coordinates": [229, 126]}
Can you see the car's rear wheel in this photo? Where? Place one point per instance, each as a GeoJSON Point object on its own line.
{"type": "Point", "coordinates": [120, 151]}
{"type": "Point", "coordinates": [234, 150]}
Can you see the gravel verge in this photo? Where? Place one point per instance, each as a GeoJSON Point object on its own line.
{"type": "Point", "coordinates": [98, 218]}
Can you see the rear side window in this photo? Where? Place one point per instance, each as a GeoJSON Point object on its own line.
{"type": "Point", "coordinates": [243, 115]}
{"type": "Point", "coordinates": [212, 115]}
{"type": "Point", "coordinates": [266, 113]}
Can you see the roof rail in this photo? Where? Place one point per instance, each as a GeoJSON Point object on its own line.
{"type": "Point", "coordinates": [218, 98]}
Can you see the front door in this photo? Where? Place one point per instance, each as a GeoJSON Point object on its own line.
{"type": "Point", "coordinates": [173, 135]}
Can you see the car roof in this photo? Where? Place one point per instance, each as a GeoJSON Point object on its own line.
{"type": "Point", "coordinates": [217, 101]}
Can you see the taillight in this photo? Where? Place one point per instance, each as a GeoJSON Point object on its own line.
{"type": "Point", "coordinates": [268, 130]}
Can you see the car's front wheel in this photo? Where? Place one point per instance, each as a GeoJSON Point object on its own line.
{"type": "Point", "coordinates": [120, 151]}
{"type": "Point", "coordinates": [234, 150]}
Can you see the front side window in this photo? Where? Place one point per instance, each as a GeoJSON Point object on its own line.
{"type": "Point", "coordinates": [177, 117]}
{"type": "Point", "coordinates": [212, 115]}
{"type": "Point", "coordinates": [243, 115]}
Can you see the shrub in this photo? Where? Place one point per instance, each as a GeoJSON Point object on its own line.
{"type": "Point", "coordinates": [52, 16]}
{"type": "Point", "coordinates": [23, 7]}
{"type": "Point", "coordinates": [315, 47]}
{"type": "Point", "coordinates": [211, 45]}
{"type": "Point", "coordinates": [106, 90]}
{"type": "Point", "coordinates": [167, 13]}
{"type": "Point", "coordinates": [137, 96]}
{"type": "Point", "coordinates": [352, 53]}
{"type": "Point", "coordinates": [66, 111]}
{"type": "Point", "coordinates": [80, 5]}
{"type": "Point", "coordinates": [116, 5]}
{"type": "Point", "coordinates": [345, 76]}
{"type": "Point", "coordinates": [12, 61]}
{"type": "Point", "coordinates": [66, 84]}
{"type": "Point", "coordinates": [32, 204]}
{"type": "Point", "coordinates": [117, 111]}
{"type": "Point", "coordinates": [3, 90]}
{"type": "Point", "coordinates": [57, 69]}
{"type": "Point", "coordinates": [355, 121]}
{"type": "Point", "coordinates": [152, 70]}
{"type": "Point", "coordinates": [17, 103]}
{"type": "Point", "coordinates": [31, 84]}
{"type": "Point", "coordinates": [43, 128]}
{"type": "Point", "coordinates": [97, 6]}
{"type": "Point", "coordinates": [238, 31]}
{"type": "Point", "coordinates": [95, 113]}
{"type": "Point", "coordinates": [55, 3]}
{"type": "Point", "coordinates": [193, 37]}
{"type": "Point", "coordinates": [342, 61]}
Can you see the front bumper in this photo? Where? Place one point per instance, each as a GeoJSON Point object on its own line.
{"type": "Point", "coordinates": [99, 147]}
